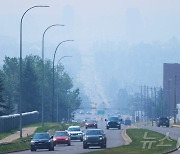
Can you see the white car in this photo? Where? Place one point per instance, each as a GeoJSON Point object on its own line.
{"type": "Point", "coordinates": [75, 133]}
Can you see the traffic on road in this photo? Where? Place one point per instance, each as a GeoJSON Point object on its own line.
{"type": "Point", "coordinates": [92, 136]}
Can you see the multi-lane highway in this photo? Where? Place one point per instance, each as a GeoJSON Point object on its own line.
{"type": "Point", "coordinates": [114, 139]}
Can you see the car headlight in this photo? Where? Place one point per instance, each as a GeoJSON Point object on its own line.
{"type": "Point", "coordinates": [100, 138]}
{"type": "Point", "coordinates": [85, 138]}
{"type": "Point", "coordinates": [54, 139]}
{"type": "Point", "coordinates": [80, 134]}
{"type": "Point", "coordinates": [67, 138]}
{"type": "Point", "coordinates": [32, 142]}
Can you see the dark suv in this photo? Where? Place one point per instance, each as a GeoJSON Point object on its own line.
{"type": "Point", "coordinates": [162, 121]}
{"type": "Point", "coordinates": [94, 137]}
{"type": "Point", "coordinates": [42, 141]}
{"type": "Point", "coordinates": [113, 122]}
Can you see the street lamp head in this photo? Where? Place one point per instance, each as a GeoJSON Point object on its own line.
{"type": "Point", "coordinates": [41, 6]}
{"type": "Point", "coordinates": [70, 40]}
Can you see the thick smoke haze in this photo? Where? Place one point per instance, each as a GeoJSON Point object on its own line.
{"type": "Point", "coordinates": [120, 42]}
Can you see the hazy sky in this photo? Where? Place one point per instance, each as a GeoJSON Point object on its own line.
{"type": "Point", "coordinates": [87, 21]}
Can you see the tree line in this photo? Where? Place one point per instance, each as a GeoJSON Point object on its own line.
{"type": "Point", "coordinates": [68, 96]}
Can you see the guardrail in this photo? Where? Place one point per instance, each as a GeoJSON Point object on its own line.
{"type": "Point", "coordinates": [10, 122]}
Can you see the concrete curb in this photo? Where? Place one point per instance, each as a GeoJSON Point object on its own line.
{"type": "Point", "coordinates": [125, 137]}
{"type": "Point", "coordinates": [171, 151]}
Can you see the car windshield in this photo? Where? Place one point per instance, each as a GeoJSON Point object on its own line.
{"type": "Point", "coordinates": [61, 134]}
{"type": "Point", "coordinates": [94, 132]}
{"type": "Point", "coordinates": [41, 136]}
{"type": "Point", "coordinates": [74, 129]}
{"type": "Point", "coordinates": [94, 121]}
{"type": "Point", "coordinates": [163, 119]}
{"type": "Point", "coordinates": [113, 119]}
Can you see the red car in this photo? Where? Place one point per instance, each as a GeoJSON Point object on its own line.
{"type": "Point", "coordinates": [91, 124]}
{"type": "Point", "coordinates": [61, 137]}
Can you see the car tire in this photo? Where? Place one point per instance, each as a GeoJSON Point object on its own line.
{"type": "Point", "coordinates": [85, 146]}
{"type": "Point", "coordinates": [81, 139]}
{"type": "Point", "coordinates": [33, 149]}
{"type": "Point", "coordinates": [69, 144]}
{"type": "Point", "coordinates": [52, 148]}
{"type": "Point", "coordinates": [107, 127]}
{"type": "Point", "coordinates": [119, 127]}
{"type": "Point", "coordinates": [167, 125]}
{"type": "Point", "coordinates": [103, 146]}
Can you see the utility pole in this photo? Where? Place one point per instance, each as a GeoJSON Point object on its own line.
{"type": "Point", "coordinates": [141, 105]}
{"type": "Point", "coordinates": [155, 101]}
{"type": "Point", "coordinates": [147, 90]}
{"type": "Point", "coordinates": [144, 101]}
{"type": "Point", "coordinates": [162, 108]}
{"type": "Point", "coordinates": [175, 99]}
{"type": "Point", "coordinates": [169, 98]}
{"type": "Point", "coordinates": [152, 104]}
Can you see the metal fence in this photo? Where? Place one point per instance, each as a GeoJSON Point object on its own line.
{"type": "Point", "coordinates": [10, 122]}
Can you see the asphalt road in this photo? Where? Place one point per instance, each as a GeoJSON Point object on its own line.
{"type": "Point", "coordinates": [113, 139]}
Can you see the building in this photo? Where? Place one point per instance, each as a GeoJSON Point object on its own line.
{"type": "Point", "coordinates": [171, 88]}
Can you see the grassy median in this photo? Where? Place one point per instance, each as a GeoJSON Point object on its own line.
{"type": "Point", "coordinates": [24, 143]}
{"type": "Point", "coordinates": [160, 144]}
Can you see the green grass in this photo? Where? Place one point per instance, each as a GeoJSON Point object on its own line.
{"type": "Point", "coordinates": [137, 142]}
{"type": "Point", "coordinates": [24, 143]}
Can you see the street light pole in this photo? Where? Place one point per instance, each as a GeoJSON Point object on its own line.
{"type": "Point", "coordinates": [53, 76]}
{"type": "Point", "coordinates": [20, 63]}
{"type": "Point", "coordinates": [57, 105]}
{"type": "Point", "coordinates": [43, 70]}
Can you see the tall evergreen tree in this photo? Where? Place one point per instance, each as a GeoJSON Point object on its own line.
{"type": "Point", "coordinates": [30, 89]}
{"type": "Point", "coordinates": [3, 106]}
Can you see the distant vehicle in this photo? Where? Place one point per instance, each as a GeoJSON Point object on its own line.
{"type": "Point", "coordinates": [91, 124]}
{"type": "Point", "coordinates": [94, 137]}
{"type": "Point", "coordinates": [118, 112]}
{"type": "Point", "coordinates": [100, 112]}
{"type": "Point", "coordinates": [42, 141]}
{"type": "Point", "coordinates": [163, 121]}
{"type": "Point", "coordinates": [81, 112]}
{"type": "Point", "coordinates": [75, 133]}
{"type": "Point", "coordinates": [87, 118]}
{"type": "Point", "coordinates": [62, 137]}
{"type": "Point", "coordinates": [78, 121]}
{"type": "Point", "coordinates": [113, 122]}
{"type": "Point", "coordinates": [122, 121]}
{"type": "Point", "coordinates": [127, 122]}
